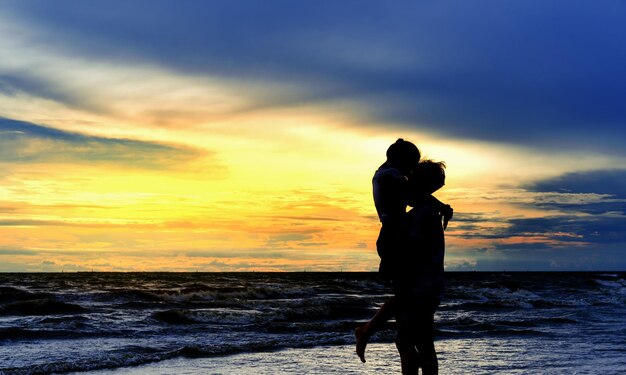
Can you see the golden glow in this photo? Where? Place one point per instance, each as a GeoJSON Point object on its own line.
{"type": "Point", "coordinates": [264, 187]}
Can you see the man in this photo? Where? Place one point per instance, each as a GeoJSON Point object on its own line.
{"type": "Point", "coordinates": [391, 195]}
{"type": "Point", "coordinates": [418, 284]}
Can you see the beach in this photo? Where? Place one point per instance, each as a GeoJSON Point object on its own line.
{"type": "Point", "coordinates": [303, 323]}
{"type": "Point", "coordinates": [318, 360]}
{"type": "Point", "coordinates": [480, 357]}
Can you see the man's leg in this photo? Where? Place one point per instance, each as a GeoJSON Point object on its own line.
{"type": "Point", "coordinates": [405, 339]}
{"type": "Point", "coordinates": [409, 358]}
{"type": "Point", "coordinates": [425, 337]}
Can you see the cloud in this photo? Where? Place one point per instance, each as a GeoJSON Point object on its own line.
{"type": "Point", "coordinates": [545, 232]}
{"type": "Point", "coordinates": [300, 218]}
{"type": "Point", "coordinates": [591, 204]}
{"type": "Point", "coordinates": [530, 73]}
{"type": "Point", "coordinates": [552, 229]}
{"type": "Point", "coordinates": [11, 251]}
{"type": "Point", "coordinates": [608, 184]}
{"type": "Point", "coordinates": [483, 70]}
{"type": "Point", "coordinates": [592, 258]}
{"type": "Point", "coordinates": [282, 238]}
{"type": "Point", "coordinates": [589, 229]}
{"type": "Point", "coordinates": [23, 142]}
{"type": "Point", "coordinates": [581, 210]}
{"type": "Point", "coordinates": [605, 181]}
{"type": "Point", "coordinates": [27, 222]}
{"type": "Point", "coordinates": [16, 84]}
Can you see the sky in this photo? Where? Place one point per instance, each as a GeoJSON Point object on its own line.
{"type": "Point", "coordinates": [243, 135]}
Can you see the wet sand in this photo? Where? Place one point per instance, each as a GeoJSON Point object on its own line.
{"type": "Point", "coordinates": [381, 359]}
{"type": "Point", "coordinates": [481, 356]}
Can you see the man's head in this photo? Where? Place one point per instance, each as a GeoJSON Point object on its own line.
{"type": "Point", "coordinates": [428, 176]}
{"type": "Point", "coordinates": [403, 155]}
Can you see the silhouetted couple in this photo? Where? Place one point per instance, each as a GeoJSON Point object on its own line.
{"type": "Point", "coordinates": [411, 249]}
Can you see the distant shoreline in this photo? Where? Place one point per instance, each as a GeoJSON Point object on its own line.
{"type": "Point", "coordinates": [296, 272]}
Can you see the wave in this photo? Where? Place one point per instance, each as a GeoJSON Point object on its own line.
{"type": "Point", "coordinates": [137, 355]}
{"type": "Point", "coordinates": [14, 333]}
{"type": "Point", "coordinates": [98, 363]}
{"type": "Point", "coordinates": [494, 325]}
{"type": "Point", "coordinates": [273, 311]}
{"type": "Point", "coordinates": [199, 293]}
{"type": "Point", "coordinates": [128, 296]}
{"type": "Point", "coordinates": [517, 332]}
{"type": "Point", "coordinates": [485, 298]}
{"type": "Point", "coordinates": [46, 306]}
{"type": "Point", "coordinates": [10, 294]}
{"type": "Point", "coordinates": [175, 317]}
{"type": "Point", "coordinates": [263, 292]}
{"type": "Point", "coordinates": [488, 298]}
{"type": "Point", "coordinates": [619, 283]}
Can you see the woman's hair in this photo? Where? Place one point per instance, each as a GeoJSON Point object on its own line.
{"type": "Point", "coordinates": [403, 153]}
{"type": "Point", "coordinates": [428, 176]}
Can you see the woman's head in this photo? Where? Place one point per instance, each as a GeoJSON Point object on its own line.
{"type": "Point", "coordinates": [403, 155]}
{"type": "Point", "coordinates": [428, 176]}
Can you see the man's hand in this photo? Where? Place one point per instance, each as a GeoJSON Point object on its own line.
{"type": "Point", "coordinates": [446, 213]}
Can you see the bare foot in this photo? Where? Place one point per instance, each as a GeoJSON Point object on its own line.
{"type": "Point", "coordinates": [361, 341]}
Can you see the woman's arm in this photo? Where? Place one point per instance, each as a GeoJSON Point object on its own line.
{"type": "Point", "coordinates": [445, 210]}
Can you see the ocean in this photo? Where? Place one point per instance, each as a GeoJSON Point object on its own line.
{"type": "Point", "coordinates": [488, 323]}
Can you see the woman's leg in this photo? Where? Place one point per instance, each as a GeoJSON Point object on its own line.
{"type": "Point", "coordinates": [363, 333]}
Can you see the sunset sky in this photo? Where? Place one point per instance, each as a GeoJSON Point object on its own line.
{"type": "Point", "coordinates": [243, 135]}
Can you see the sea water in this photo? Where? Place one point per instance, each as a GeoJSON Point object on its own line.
{"type": "Point", "coordinates": [488, 322]}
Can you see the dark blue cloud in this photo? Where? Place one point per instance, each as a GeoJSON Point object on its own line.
{"type": "Point", "coordinates": [598, 245]}
{"type": "Point", "coordinates": [14, 84]}
{"type": "Point", "coordinates": [24, 142]}
{"type": "Point", "coordinates": [591, 229]}
{"type": "Point", "coordinates": [611, 183]}
{"type": "Point", "coordinates": [595, 229]}
{"type": "Point", "coordinates": [593, 213]}
{"type": "Point", "coordinates": [605, 181]}
{"type": "Point", "coordinates": [589, 234]}
{"type": "Point", "coordinates": [532, 72]}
